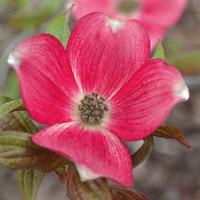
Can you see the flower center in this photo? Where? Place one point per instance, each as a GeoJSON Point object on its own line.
{"type": "Point", "coordinates": [92, 109]}
{"type": "Point", "coordinates": [127, 7]}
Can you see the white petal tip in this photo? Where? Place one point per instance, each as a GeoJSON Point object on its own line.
{"type": "Point", "coordinates": [13, 61]}
{"type": "Point", "coordinates": [114, 24]}
{"type": "Point", "coordinates": [86, 174]}
{"type": "Point", "coordinates": [183, 92]}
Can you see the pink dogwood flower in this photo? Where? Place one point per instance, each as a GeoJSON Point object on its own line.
{"type": "Point", "coordinates": [157, 16]}
{"type": "Point", "coordinates": [101, 90]}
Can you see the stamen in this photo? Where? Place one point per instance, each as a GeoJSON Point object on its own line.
{"type": "Point", "coordinates": [92, 109]}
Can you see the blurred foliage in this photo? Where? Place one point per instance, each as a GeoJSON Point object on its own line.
{"type": "Point", "coordinates": [30, 14]}
{"type": "Point", "coordinates": [187, 59]}
{"type": "Point", "coordinates": [11, 88]}
{"type": "Point", "coordinates": [8, 80]}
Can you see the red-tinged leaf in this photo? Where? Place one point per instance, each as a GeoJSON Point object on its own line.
{"type": "Point", "coordinates": [10, 106]}
{"type": "Point", "coordinates": [143, 152]}
{"type": "Point", "coordinates": [90, 190]}
{"type": "Point", "coordinates": [29, 181]}
{"type": "Point", "coordinates": [4, 99]}
{"type": "Point", "coordinates": [171, 132]}
{"type": "Point", "coordinates": [120, 193]}
{"type": "Point", "coordinates": [61, 173]}
{"type": "Point", "coordinates": [15, 120]}
{"type": "Point", "coordinates": [18, 152]}
{"type": "Point", "coordinates": [18, 121]}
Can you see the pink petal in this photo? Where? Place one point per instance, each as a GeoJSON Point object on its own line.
{"type": "Point", "coordinates": [156, 32]}
{"type": "Point", "coordinates": [160, 12]}
{"type": "Point", "coordinates": [158, 15]}
{"type": "Point", "coordinates": [95, 151]}
{"type": "Point", "coordinates": [146, 100]}
{"type": "Point", "coordinates": [104, 53]}
{"type": "Point", "coordinates": [46, 80]}
{"type": "Point", "coordinates": [84, 7]}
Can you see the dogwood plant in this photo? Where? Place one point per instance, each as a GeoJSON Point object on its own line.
{"type": "Point", "coordinates": [157, 16]}
{"type": "Point", "coordinates": [99, 91]}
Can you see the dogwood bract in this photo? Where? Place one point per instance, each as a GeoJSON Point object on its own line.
{"type": "Point", "coordinates": [157, 16]}
{"type": "Point", "coordinates": [101, 90]}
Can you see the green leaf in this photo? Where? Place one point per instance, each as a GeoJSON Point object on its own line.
{"type": "Point", "coordinates": [29, 16]}
{"type": "Point", "coordinates": [120, 193]}
{"type": "Point", "coordinates": [18, 152]}
{"type": "Point", "coordinates": [143, 152]}
{"type": "Point", "coordinates": [59, 28]}
{"type": "Point", "coordinates": [4, 99]}
{"type": "Point", "coordinates": [16, 120]}
{"type": "Point", "coordinates": [159, 51]}
{"type": "Point", "coordinates": [171, 132]}
{"type": "Point", "coordinates": [90, 190]}
{"type": "Point", "coordinates": [10, 106]}
{"type": "Point", "coordinates": [29, 181]}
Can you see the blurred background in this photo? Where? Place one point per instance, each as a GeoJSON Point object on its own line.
{"type": "Point", "coordinates": [172, 172]}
